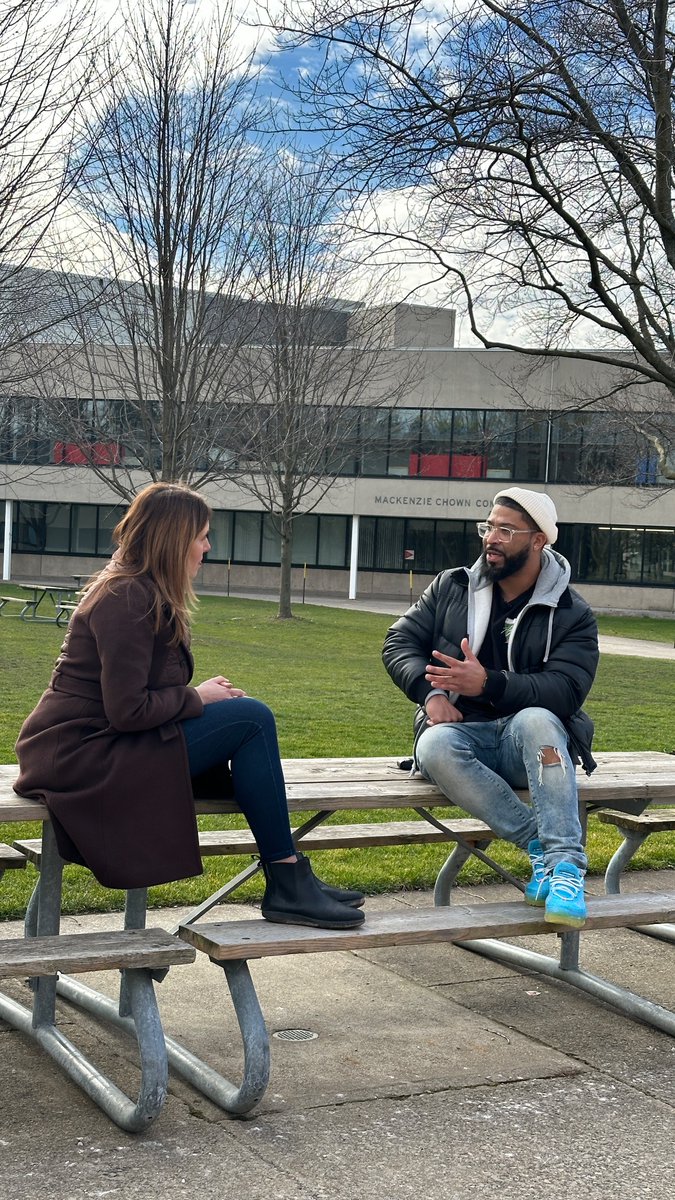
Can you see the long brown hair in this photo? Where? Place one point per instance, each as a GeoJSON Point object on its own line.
{"type": "Point", "coordinates": [153, 539]}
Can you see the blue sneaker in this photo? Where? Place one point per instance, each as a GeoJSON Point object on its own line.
{"type": "Point", "coordinates": [565, 904]}
{"type": "Point", "coordinates": [537, 889]}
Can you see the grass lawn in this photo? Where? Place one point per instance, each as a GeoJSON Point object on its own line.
{"type": "Point", "coordinates": [646, 629]}
{"type": "Point", "coordinates": [323, 677]}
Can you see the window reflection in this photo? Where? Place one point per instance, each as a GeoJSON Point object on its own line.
{"type": "Point", "coordinates": [597, 554]}
{"type": "Point", "coordinates": [572, 447]}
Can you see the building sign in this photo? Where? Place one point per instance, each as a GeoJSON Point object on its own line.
{"type": "Point", "coordinates": [465, 503]}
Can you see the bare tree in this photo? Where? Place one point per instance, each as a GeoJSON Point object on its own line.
{"type": "Point", "coordinates": [46, 66]}
{"type": "Point", "coordinates": [168, 163]}
{"type": "Point", "coordinates": [46, 74]}
{"type": "Point", "coordinates": [535, 143]}
{"type": "Point", "coordinates": [307, 393]}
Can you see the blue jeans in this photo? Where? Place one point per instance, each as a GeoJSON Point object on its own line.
{"type": "Point", "coordinates": [243, 733]}
{"type": "Point", "coordinates": [477, 765]}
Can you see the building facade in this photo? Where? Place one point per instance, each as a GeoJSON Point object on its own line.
{"type": "Point", "coordinates": [406, 501]}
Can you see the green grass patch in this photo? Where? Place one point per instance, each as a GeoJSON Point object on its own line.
{"type": "Point", "coordinates": [322, 675]}
{"type": "Point", "coordinates": [645, 629]}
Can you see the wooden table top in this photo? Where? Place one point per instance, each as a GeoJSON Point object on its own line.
{"type": "Point", "coordinates": [362, 783]}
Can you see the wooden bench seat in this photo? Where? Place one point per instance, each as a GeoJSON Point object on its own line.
{"type": "Point", "coordinates": [224, 842]}
{"type": "Point", "coordinates": [64, 612]}
{"type": "Point", "coordinates": [12, 600]}
{"type": "Point", "coordinates": [655, 820]}
{"type": "Point", "coordinates": [232, 940]}
{"type": "Point", "coordinates": [11, 858]}
{"type": "Point", "coordinates": [231, 944]}
{"type": "Point", "coordinates": [78, 952]}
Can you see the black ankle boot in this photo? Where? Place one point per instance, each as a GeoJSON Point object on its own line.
{"type": "Point", "coordinates": [294, 897]}
{"type": "Point", "coordinates": [347, 896]}
{"type": "Point", "coordinates": [342, 895]}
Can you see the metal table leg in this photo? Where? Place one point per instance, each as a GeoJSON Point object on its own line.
{"type": "Point", "coordinates": [632, 840]}
{"type": "Point", "coordinates": [619, 998]}
{"type": "Point", "coordinates": [445, 880]}
{"type": "Point", "coordinates": [43, 919]}
{"type": "Point", "coordinates": [210, 1083]}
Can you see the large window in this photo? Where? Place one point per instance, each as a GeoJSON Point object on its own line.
{"type": "Point", "coordinates": [374, 441]}
{"type": "Point", "coordinates": [83, 529]}
{"type": "Point", "coordinates": [500, 444]}
{"type": "Point", "coordinates": [333, 532]}
{"type": "Point", "coordinates": [247, 529]}
{"type": "Point", "coordinates": [584, 447]}
{"type": "Point", "coordinates": [597, 553]}
{"type": "Point", "coordinates": [531, 448]}
{"type": "Point", "coordinates": [403, 440]}
{"type": "Point", "coordinates": [220, 536]}
{"type": "Point", "coordinates": [425, 547]}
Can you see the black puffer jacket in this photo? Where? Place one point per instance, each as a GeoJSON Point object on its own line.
{"type": "Point", "coordinates": [553, 650]}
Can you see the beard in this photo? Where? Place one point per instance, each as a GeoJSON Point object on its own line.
{"type": "Point", "coordinates": [510, 565]}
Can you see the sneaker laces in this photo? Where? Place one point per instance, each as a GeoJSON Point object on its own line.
{"type": "Point", "coordinates": [538, 864]}
{"type": "Point", "coordinates": [565, 885]}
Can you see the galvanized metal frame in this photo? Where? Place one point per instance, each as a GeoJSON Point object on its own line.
{"type": "Point", "coordinates": [208, 1081]}
{"type": "Point", "coordinates": [43, 918]}
{"type": "Point", "coordinates": [567, 968]}
{"type": "Point", "coordinates": [137, 1011]}
{"type": "Point", "coordinates": [632, 840]}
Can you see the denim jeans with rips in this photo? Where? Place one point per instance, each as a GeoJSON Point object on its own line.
{"type": "Point", "coordinates": [477, 764]}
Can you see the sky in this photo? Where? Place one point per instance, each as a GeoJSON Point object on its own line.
{"type": "Point", "coordinates": [403, 272]}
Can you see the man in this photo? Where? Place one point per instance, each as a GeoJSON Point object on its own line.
{"type": "Point", "coordinates": [500, 657]}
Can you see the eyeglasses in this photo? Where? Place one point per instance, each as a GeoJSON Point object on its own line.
{"type": "Point", "coordinates": [504, 532]}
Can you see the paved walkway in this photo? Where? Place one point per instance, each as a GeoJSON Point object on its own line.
{"type": "Point", "coordinates": [434, 1074]}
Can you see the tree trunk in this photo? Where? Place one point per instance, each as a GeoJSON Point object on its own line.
{"type": "Point", "coordinates": [286, 533]}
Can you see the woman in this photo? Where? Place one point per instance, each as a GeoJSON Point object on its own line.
{"type": "Point", "coordinates": [119, 743]}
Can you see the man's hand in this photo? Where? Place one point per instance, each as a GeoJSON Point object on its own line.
{"type": "Point", "coordinates": [440, 711]}
{"type": "Point", "coordinates": [467, 678]}
{"type": "Point", "coordinates": [218, 688]}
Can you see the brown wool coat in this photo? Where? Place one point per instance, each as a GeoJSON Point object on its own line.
{"type": "Point", "coordinates": [103, 748]}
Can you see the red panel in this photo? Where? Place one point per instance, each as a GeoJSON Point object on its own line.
{"type": "Point", "coordinates": [468, 466]}
{"type": "Point", "coordinates": [435, 466]}
{"type": "Point", "coordinates": [106, 454]}
{"type": "Point", "coordinates": [101, 454]}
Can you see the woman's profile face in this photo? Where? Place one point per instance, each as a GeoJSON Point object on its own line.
{"type": "Point", "coordinates": [198, 548]}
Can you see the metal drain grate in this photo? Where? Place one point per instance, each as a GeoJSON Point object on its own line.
{"type": "Point", "coordinates": [295, 1035]}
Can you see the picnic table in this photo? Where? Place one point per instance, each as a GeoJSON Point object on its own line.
{"type": "Point", "coordinates": [322, 787]}
{"type": "Point", "coordinates": [62, 596]}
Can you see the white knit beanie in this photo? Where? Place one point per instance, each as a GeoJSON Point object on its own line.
{"type": "Point", "coordinates": [538, 506]}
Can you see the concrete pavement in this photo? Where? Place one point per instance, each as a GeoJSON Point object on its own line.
{"type": "Point", "coordinates": [435, 1073]}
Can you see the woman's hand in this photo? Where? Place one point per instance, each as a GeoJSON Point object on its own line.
{"type": "Point", "coordinates": [218, 688]}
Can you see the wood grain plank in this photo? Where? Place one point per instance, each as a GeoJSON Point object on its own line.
{"type": "Point", "coordinates": [656, 820]}
{"type": "Point", "coordinates": [225, 940]}
{"type": "Point", "coordinates": [11, 858]}
{"type": "Point", "coordinates": [77, 952]}
{"type": "Point", "coordinates": [341, 837]}
{"type": "Point", "coordinates": [363, 783]}
{"type": "Point", "coordinates": [324, 837]}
